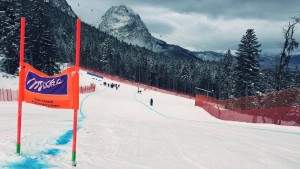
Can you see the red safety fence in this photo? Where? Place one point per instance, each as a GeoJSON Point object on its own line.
{"type": "Point", "coordinates": [12, 95]}
{"type": "Point", "coordinates": [8, 95]}
{"type": "Point", "coordinates": [282, 108]}
{"type": "Point", "coordinates": [140, 85]}
{"type": "Point", "coordinates": [87, 89]}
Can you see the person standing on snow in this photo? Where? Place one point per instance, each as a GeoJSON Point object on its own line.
{"type": "Point", "coordinates": [151, 102]}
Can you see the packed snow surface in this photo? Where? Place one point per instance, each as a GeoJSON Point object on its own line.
{"type": "Point", "coordinates": [118, 129]}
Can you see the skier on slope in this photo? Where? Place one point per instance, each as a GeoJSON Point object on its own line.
{"type": "Point", "coordinates": [151, 102]}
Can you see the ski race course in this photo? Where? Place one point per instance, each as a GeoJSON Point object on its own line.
{"type": "Point", "coordinates": [118, 129]}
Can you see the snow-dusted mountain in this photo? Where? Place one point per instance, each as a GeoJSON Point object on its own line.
{"type": "Point", "coordinates": [270, 60]}
{"type": "Point", "coordinates": [266, 60]}
{"type": "Point", "coordinates": [122, 23]}
{"type": "Point", "coordinates": [62, 5]}
{"type": "Point", "coordinates": [209, 55]}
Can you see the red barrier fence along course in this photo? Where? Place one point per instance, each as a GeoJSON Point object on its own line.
{"type": "Point", "coordinates": [280, 108]}
{"type": "Point", "coordinates": [8, 95]}
{"type": "Point", "coordinates": [12, 95]}
{"type": "Point", "coordinates": [87, 89]}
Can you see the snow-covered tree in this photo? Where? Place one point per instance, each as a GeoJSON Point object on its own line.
{"type": "Point", "coordinates": [225, 76]}
{"type": "Point", "coordinates": [40, 48]}
{"type": "Point", "coordinates": [106, 55]}
{"type": "Point", "coordinates": [9, 35]}
{"type": "Point", "coordinates": [247, 65]}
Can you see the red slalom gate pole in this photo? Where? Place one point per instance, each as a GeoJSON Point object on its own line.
{"type": "Point", "coordinates": [76, 90]}
{"type": "Point", "coordinates": [21, 84]}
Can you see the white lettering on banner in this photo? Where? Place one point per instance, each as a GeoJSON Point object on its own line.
{"type": "Point", "coordinates": [41, 85]}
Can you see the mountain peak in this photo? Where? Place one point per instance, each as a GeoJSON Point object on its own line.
{"type": "Point", "coordinates": [122, 9]}
{"type": "Point", "coordinates": [123, 23]}
{"type": "Point", "coordinates": [116, 17]}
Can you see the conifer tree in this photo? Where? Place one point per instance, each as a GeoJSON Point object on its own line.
{"type": "Point", "coordinates": [106, 56]}
{"type": "Point", "coordinates": [225, 76]}
{"type": "Point", "coordinates": [41, 50]}
{"type": "Point", "coordinates": [247, 65]}
{"type": "Point", "coordinates": [9, 35]}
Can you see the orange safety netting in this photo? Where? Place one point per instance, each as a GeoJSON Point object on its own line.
{"type": "Point", "coordinates": [12, 95]}
{"type": "Point", "coordinates": [282, 108]}
{"type": "Point", "coordinates": [87, 89]}
{"type": "Point", "coordinates": [8, 95]}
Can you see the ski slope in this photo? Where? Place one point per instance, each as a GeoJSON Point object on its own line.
{"type": "Point", "coordinates": [118, 129]}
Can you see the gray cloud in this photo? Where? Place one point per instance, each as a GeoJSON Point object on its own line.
{"type": "Point", "coordinates": [248, 9]}
{"type": "Point", "coordinates": [159, 27]}
{"type": "Point", "coordinates": [204, 24]}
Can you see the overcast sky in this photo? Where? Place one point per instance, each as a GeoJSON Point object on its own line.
{"type": "Point", "coordinates": [204, 25]}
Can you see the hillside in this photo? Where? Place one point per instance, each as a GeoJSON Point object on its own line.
{"type": "Point", "coordinates": [119, 129]}
{"type": "Point", "coordinates": [103, 52]}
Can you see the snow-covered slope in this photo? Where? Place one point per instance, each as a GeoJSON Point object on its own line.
{"type": "Point", "coordinates": [119, 129]}
{"type": "Point", "coordinates": [8, 81]}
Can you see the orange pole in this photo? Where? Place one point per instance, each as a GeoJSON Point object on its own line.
{"type": "Point", "coordinates": [76, 90]}
{"type": "Point", "coordinates": [21, 84]}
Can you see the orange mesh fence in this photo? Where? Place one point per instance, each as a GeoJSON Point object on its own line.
{"type": "Point", "coordinates": [282, 108]}
{"type": "Point", "coordinates": [284, 98]}
{"type": "Point", "coordinates": [12, 95]}
{"type": "Point", "coordinates": [87, 89]}
{"type": "Point", "coordinates": [8, 95]}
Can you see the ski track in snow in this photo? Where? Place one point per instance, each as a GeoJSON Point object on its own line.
{"type": "Point", "coordinates": [39, 162]}
{"type": "Point", "coordinates": [210, 122]}
{"type": "Point", "coordinates": [121, 130]}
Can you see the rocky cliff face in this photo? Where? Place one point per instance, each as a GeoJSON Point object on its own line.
{"type": "Point", "coordinates": [127, 26]}
{"type": "Point", "coordinates": [123, 23]}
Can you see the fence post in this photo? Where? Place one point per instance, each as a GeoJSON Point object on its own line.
{"type": "Point", "coordinates": [6, 91]}
{"type": "Point", "coordinates": [10, 94]}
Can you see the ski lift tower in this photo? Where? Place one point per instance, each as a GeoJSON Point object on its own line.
{"type": "Point", "coordinates": [207, 91]}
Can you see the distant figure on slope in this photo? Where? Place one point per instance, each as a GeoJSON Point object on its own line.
{"type": "Point", "coordinates": [151, 102]}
